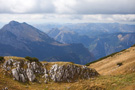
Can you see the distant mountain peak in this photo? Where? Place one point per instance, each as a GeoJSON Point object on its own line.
{"type": "Point", "coordinates": [24, 23]}
{"type": "Point", "coordinates": [25, 40]}
{"type": "Point", "coordinates": [13, 22]}
{"type": "Point", "coordinates": [26, 31]}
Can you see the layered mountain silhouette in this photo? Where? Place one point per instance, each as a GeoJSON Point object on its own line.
{"type": "Point", "coordinates": [22, 39]}
{"type": "Point", "coordinates": [67, 36]}
{"type": "Point", "coordinates": [99, 45]}
{"type": "Point", "coordinates": [110, 43]}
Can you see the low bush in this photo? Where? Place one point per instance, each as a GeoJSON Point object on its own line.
{"type": "Point", "coordinates": [133, 45]}
{"type": "Point", "coordinates": [34, 59]}
{"type": "Point", "coordinates": [1, 59]}
{"type": "Point", "coordinates": [119, 63]}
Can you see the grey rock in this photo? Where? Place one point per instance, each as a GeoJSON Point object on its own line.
{"type": "Point", "coordinates": [30, 74]}
{"type": "Point", "coordinates": [69, 73]}
{"type": "Point", "coordinates": [6, 88]}
{"type": "Point", "coordinates": [45, 82]}
{"type": "Point", "coordinates": [15, 74]}
{"type": "Point", "coordinates": [19, 74]}
{"type": "Point", "coordinates": [22, 78]}
{"type": "Point", "coordinates": [8, 63]}
{"type": "Point", "coordinates": [56, 73]}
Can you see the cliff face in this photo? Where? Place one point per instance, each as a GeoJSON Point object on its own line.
{"type": "Point", "coordinates": [25, 71]}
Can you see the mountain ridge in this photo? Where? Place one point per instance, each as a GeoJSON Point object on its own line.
{"type": "Point", "coordinates": [26, 40]}
{"type": "Point", "coordinates": [100, 45]}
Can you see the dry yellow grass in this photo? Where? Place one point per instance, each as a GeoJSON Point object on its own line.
{"type": "Point", "coordinates": [99, 83]}
{"type": "Point", "coordinates": [112, 77]}
{"type": "Point", "coordinates": [132, 87]}
{"type": "Point", "coordinates": [109, 66]}
{"type": "Point", "coordinates": [14, 57]}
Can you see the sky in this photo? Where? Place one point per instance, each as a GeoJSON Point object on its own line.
{"type": "Point", "coordinates": [68, 11]}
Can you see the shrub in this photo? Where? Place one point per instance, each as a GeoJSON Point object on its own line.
{"type": "Point", "coordinates": [87, 64]}
{"type": "Point", "coordinates": [34, 59]}
{"type": "Point", "coordinates": [119, 64]}
{"type": "Point", "coordinates": [28, 58]}
{"type": "Point", "coordinates": [1, 59]}
{"type": "Point", "coordinates": [133, 45]}
{"type": "Point", "coordinates": [72, 62]}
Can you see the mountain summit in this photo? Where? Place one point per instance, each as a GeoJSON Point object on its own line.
{"type": "Point", "coordinates": [22, 39]}
{"type": "Point", "coordinates": [26, 31]}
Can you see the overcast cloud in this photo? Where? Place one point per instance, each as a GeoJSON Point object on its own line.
{"type": "Point", "coordinates": [68, 10]}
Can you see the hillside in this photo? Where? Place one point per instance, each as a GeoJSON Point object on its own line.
{"type": "Point", "coordinates": [108, 74]}
{"type": "Point", "coordinates": [24, 72]}
{"type": "Point", "coordinates": [37, 79]}
{"type": "Point", "coordinates": [22, 39]}
{"type": "Point", "coordinates": [108, 66]}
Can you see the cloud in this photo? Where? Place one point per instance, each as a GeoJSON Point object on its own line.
{"type": "Point", "coordinates": [67, 10]}
{"type": "Point", "coordinates": [26, 6]}
{"type": "Point", "coordinates": [64, 18]}
{"type": "Point", "coordinates": [68, 6]}
{"type": "Point", "coordinates": [15, 6]}
{"type": "Point", "coordinates": [105, 7]}
{"type": "Point", "coordinates": [110, 18]}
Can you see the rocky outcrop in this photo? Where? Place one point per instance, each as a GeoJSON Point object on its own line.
{"type": "Point", "coordinates": [69, 73]}
{"type": "Point", "coordinates": [23, 71]}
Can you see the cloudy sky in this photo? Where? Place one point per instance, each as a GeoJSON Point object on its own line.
{"type": "Point", "coordinates": [68, 11]}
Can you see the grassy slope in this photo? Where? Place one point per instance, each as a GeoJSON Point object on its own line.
{"type": "Point", "coordinates": [101, 82]}
{"type": "Point", "coordinates": [108, 66]}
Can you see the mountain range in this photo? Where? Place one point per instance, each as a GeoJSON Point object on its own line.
{"type": "Point", "coordinates": [89, 29]}
{"type": "Point", "coordinates": [105, 43]}
{"type": "Point", "coordinates": [79, 43]}
{"type": "Point", "coordinates": [67, 36]}
{"type": "Point", "coordinates": [22, 39]}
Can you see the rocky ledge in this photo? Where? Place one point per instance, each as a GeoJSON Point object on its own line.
{"type": "Point", "coordinates": [25, 71]}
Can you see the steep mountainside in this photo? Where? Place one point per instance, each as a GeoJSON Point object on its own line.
{"type": "Point", "coordinates": [109, 43]}
{"type": "Point", "coordinates": [67, 36]}
{"type": "Point", "coordinates": [21, 39]}
{"type": "Point", "coordinates": [120, 63]}
{"type": "Point", "coordinates": [100, 46]}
